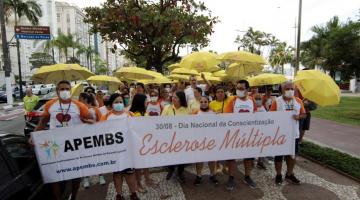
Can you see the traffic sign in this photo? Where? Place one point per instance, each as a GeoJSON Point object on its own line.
{"type": "Point", "coordinates": [32, 32]}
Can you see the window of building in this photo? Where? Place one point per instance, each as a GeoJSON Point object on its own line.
{"type": "Point", "coordinates": [58, 17]}
{"type": "Point", "coordinates": [68, 17]}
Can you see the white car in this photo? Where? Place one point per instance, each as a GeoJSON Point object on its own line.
{"type": "Point", "coordinates": [40, 89]}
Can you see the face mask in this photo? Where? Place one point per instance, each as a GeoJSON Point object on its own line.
{"type": "Point", "coordinates": [168, 89]}
{"type": "Point", "coordinates": [258, 103]}
{"type": "Point", "coordinates": [118, 107]}
{"type": "Point", "coordinates": [153, 99]}
{"type": "Point", "coordinates": [126, 101]}
{"type": "Point", "coordinates": [289, 93]}
{"type": "Point", "coordinates": [240, 93]}
{"type": "Point", "coordinates": [65, 94]}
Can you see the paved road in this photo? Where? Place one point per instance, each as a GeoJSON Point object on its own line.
{"type": "Point", "coordinates": [335, 135]}
{"type": "Point", "coordinates": [12, 121]}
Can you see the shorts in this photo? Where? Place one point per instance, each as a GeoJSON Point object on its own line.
{"type": "Point", "coordinates": [126, 171]}
{"type": "Point", "coordinates": [304, 124]}
{"type": "Point", "coordinates": [281, 158]}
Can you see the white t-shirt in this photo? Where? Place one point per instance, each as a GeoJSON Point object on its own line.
{"type": "Point", "coordinates": [123, 115]}
{"type": "Point", "coordinates": [189, 92]}
{"type": "Point", "coordinates": [200, 112]}
{"type": "Point", "coordinates": [241, 106]}
{"type": "Point", "coordinates": [65, 115]}
{"type": "Point", "coordinates": [103, 110]}
{"type": "Point", "coordinates": [261, 109]}
{"type": "Point", "coordinates": [153, 110]}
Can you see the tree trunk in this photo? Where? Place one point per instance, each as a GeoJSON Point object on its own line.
{"type": "Point", "coordinates": [282, 69]}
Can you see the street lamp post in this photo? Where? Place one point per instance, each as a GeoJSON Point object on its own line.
{"type": "Point", "coordinates": [298, 39]}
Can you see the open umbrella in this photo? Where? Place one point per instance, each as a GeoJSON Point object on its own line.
{"type": "Point", "coordinates": [243, 57]}
{"type": "Point", "coordinates": [318, 87]}
{"type": "Point", "coordinates": [104, 80]}
{"type": "Point", "coordinates": [173, 66]}
{"type": "Point", "coordinates": [76, 90]}
{"type": "Point", "coordinates": [184, 71]}
{"type": "Point", "coordinates": [135, 73]}
{"type": "Point", "coordinates": [238, 70]}
{"type": "Point", "coordinates": [266, 79]}
{"type": "Point", "coordinates": [220, 73]}
{"type": "Point", "coordinates": [179, 77]}
{"type": "Point", "coordinates": [58, 72]}
{"type": "Point", "coordinates": [201, 62]}
{"type": "Point", "coordinates": [159, 80]}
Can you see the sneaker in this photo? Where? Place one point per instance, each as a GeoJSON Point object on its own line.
{"type": "Point", "coordinates": [197, 181]}
{"type": "Point", "coordinates": [86, 182]}
{"type": "Point", "coordinates": [291, 178]}
{"type": "Point", "coordinates": [261, 165]}
{"type": "Point", "coordinates": [214, 180]}
{"type": "Point", "coordinates": [250, 182]}
{"type": "Point", "coordinates": [169, 175]}
{"type": "Point", "coordinates": [102, 180]}
{"type": "Point", "coordinates": [134, 196]}
{"type": "Point", "coordinates": [278, 179]}
{"type": "Point", "coordinates": [119, 197]}
{"type": "Point", "coordinates": [181, 178]}
{"type": "Point", "coordinates": [230, 184]}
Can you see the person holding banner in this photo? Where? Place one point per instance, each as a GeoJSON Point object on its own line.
{"type": "Point", "coordinates": [179, 107]}
{"type": "Point", "coordinates": [204, 110]}
{"type": "Point", "coordinates": [288, 102]}
{"type": "Point", "coordinates": [243, 103]}
{"type": "Point", "coordinates": [118, 112]}
{"type": "Point", "coordinates": [64, 111]}
{"type": "Point", "coordinates": [89, 100]}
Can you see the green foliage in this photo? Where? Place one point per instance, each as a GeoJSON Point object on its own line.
{"type": "Point", "coordinates": [253, 40]}
{"type": "Point", "coordinates": [100, 66]}
{"type": "Point", "coordinates": [348, 111]}
{"type": "Point", "coordinates": [334, 47]}
{"type": "Point", "coordinates": [280, 55]}
{"type": "Point", "coordinates": [30, 9]}
{"type": "Point", "coordinates": [39, 59]}
{"type": "Point", "coordinates": [63, 43]}
{"type": "Point", "coordinates": [72, 60]}
{"type": "Point", "coordinates": [151, 32]}
{"type": "Point", "coordinates": [340, 161]}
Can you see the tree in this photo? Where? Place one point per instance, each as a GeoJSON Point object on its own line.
{"type": "Point", "coordinates": [63, 43]}
{"type": "Point", "coordinates": [282, 54]}
{"type": "Point", "coordinates": [253, 41]}
{"type": "Point", "coordinates": [88, 51]}
{"type": "Point", "coordinates": [100, 66]}
{"type": "Point", "coordinates": [39, 59]}
{"type": "Point", "coordinates": [334, 47]}
{"type": "Point", "coordinates": [30, 9]}
{"type": "Point", "coordinates": [72, 60]}
{"type": "Point", "coordinates": [151, 32]}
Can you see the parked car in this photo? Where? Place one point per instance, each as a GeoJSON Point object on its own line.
{"type": "Point", "coordinates": [3, 96]}
{"type": "Point", "coordinates": [41, 89]}
{"type": "Point", "coordinates": [32, 118]}
{"type": "Point", "coordinates": [20, 177]}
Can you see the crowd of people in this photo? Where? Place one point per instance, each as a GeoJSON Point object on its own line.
{"type": "Point", "coordinates": [183, 98]}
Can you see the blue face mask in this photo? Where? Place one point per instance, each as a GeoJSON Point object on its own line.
{"type": "Point", "coordinates": [126, 101]}
{"type": "Point", "coordinates": [118, 107]}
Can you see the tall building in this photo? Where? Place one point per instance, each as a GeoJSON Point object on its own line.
{"type": "Point", "coordinates": [27, 47]}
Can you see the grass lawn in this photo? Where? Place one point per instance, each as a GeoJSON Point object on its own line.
{"type": "Point", "coordinates": [347, 112]}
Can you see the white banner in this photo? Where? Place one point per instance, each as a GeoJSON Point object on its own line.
{"type": "Point", "coordinates": [143, 142]}
{"type": "Point", "coordinates": [190, 139]}
{"type": "Point", "coordinates": [84, 150]}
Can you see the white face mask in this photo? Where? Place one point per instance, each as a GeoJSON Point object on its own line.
{"type": "Point", "coordinates": [65, 94]}
{"type": "Point", "coordinates": [153, 99]}
{"type": "Point", "coordinates": [240, 93]}
{"type": "Point", "coordinates": [289, 93]}
{"type": "Point", "coordinates": [168, 89]}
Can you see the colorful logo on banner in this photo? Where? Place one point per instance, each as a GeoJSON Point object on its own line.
{"type": "Point", "coordinates": [51, 148]}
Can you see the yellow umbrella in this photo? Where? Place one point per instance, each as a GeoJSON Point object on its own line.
{"type": "Point", "coordinates": [58, 72]}
{"type": "Point", "coordinates": [135, 73]}
{"type": "Point", "coordinates": [159, 80]}
{"type": "Point", "coordinates": [318, 87]}
{"type": "Point", "coordinates": [201, 62]}
{"type": "Point", "coordinates": [242, 57]}
{"type": "Point", "coordinates": [173, 66]}
{"type": "Point", "coordinates": [266, 79]}
{"type": "Point", "coordinates": [104, 80]}
{"type": "Point", "coordinates": [178, 77]}
{"type": "Point", "coordinates": [76, 90]}
{"type": "Point", "coordinates": [237, 70]}
{"type": "Point", "coordinates": [209, 78]}
{"type": "Point", "coordinates": [220, 73]}
{"type": "Point", "coordinates": [184, 71]}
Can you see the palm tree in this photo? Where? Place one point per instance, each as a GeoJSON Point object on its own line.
{"type": "Point", "coordinates": [88, 51]}
{"type": "Point", "coordinates": [30, 9]}
{"type": "Point", "coordinates": [63, 43]}
{"type": "Point", "coordinates": [282, 54]}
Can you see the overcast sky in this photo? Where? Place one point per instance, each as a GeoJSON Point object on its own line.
{"type": "Point", "coordinates": [272, 16]}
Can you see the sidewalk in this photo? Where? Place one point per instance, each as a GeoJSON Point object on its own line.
{"type": "Point", "coordinates": [343, 137]}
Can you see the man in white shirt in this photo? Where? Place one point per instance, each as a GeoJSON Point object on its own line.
{"type": "Point", "coordinates": [189, 90]}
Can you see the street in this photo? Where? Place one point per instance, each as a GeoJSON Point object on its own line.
{"type": "Point", "coordinates": [12, 121]}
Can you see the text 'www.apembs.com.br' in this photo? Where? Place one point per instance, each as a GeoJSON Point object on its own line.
{"type": "Point", "coordinates": [87, 166]}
